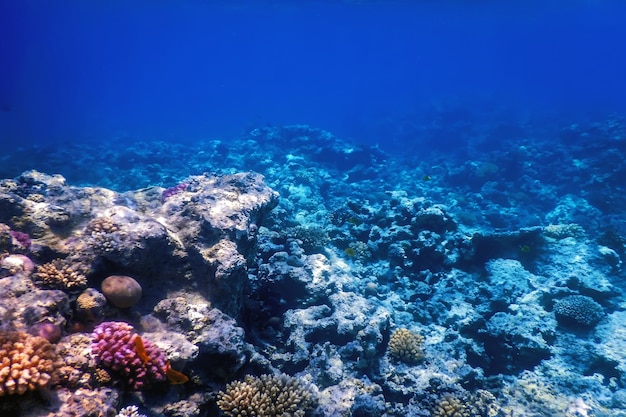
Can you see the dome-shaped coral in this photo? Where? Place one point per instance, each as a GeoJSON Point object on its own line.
{"type": "Point", "coordinates": [266, 396]}
{"type": "Point", "coordinates": [406, 346]}
{"type": "Point", "coordinates": [450, 406]}
{"type": "Point", "coordinates": [27, 362]}
{"type": "Point", "coordinates": [578, 310]}
{"type": "Point", "coordinates": [139, 362]}
{"type": "Point", "coordinates": [121, 291]}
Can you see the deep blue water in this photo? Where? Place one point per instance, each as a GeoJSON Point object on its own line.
{"type": "Point", "coordinates": [184, 70]}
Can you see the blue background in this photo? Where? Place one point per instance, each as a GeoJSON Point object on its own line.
{"type": "Point", "coordinates": [185, 70]}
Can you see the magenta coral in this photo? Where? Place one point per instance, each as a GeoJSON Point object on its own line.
{"type": "Point", "coordinates": [116, 347]}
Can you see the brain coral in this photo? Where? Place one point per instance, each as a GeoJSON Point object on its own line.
{"type": "Point", "coordinates": [406, 346]}
{"type": "Point", "coordinates": [26, 362]}
{"type": "Point", "coordinates": [115, 347]}
{"type": "Point", "coordinates": [578, 310]}
{"type": "Point", "coordinates": [266, 396]}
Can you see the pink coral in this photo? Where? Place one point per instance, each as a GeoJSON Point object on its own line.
{"type": "Point", "coordinates": [115, 347]}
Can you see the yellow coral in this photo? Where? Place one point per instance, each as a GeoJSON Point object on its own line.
{"type": "Point", "coordinates": [561, 231]}
{"type": "Point", "coordinates": [450, 406]}
{"type": "Point", "coordinates": [406, 346]}
{"type": "Point", "coordinates": [90, 305]}
{"type": "Point", "coordinates": [266, 396]}
{"type": "Point", "coordinates": [26, 362]}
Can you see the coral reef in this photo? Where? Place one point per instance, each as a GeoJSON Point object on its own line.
{"type": "Point", "coordinates": [115, 347]}
{"type": "Point", "coordinates": [266, 396]}
{"type": "Point", "coordinates": [478, 256]}
{"type": "Point", "coordinates": [27, 363]}
{"type": "Point", "coordinates": [52, 332]}
{"type": "Point", "coordinates": [20, 240]}
{"type": "Point", "coordinates": [170, 191]}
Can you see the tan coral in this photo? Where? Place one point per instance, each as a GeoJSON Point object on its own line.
{"type": "Point", "coordinates": [266, 396]}
{"type": "Point", "coordinates": [406, 346]}
{"type": "Point", "coordinates": [59, 274]}
{"type": "Point", "coordinates": [102, 234]}
{"type": "Point", "coordinates": [27, 362]}
{"type": "Point", "coordinates": [450, 406]}
{"type": "Point", "coordinates": [562, 231]}
{"type": "Point", "coordinates": [101, 225]}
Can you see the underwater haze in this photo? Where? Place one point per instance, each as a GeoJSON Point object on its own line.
{"type": "Point", "coordinates": [184, 70]}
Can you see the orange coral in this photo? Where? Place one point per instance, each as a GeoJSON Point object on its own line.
{"type": "Point", "coordinates": [27, 362]}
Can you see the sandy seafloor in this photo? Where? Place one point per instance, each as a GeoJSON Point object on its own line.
{"type": "Point", "coordinates": [503, 247]}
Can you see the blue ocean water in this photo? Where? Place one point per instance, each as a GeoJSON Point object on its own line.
{"type": "Point", "coordinates": [76, 71]}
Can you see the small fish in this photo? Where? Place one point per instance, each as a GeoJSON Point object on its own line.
{"type": "Point", "coordinates": [173, 376]}
{"type": "Point", "coordinates": [141, 350]}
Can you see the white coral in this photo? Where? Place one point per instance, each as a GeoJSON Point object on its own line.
{"type": "Point", "coordinates": [130, 411]}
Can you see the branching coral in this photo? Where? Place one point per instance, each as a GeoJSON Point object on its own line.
{"type": "Point", "coordinates": [266, 396]}
{"type": "Point", "coordinates": [27, 362]}
{"type": "Point", "coordinates": [406, 346]}
{"type": "Point", "coordinates": [59, 274]}
{"type": "Point", "coordinates": [101, 234]}
{"type": "Point", "coordinates": [116, 347]}
{"type": "Point", "coordinates": [130, 411]}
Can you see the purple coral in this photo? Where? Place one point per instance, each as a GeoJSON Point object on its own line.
{"type": "Point", "coordinates": [115, 347]}
{"type": "Point", "coordinates": [20, 239]}
{"type": "Point", "coordinates": [168, 192]}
